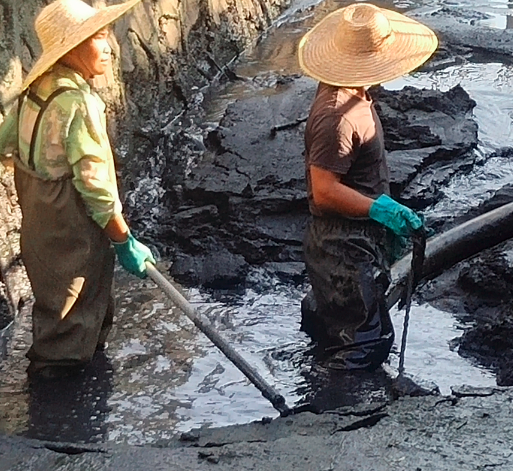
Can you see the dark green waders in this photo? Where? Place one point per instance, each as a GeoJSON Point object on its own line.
{"type": "Point", "coordinates": [346, 310]}
{"type": "Point", "coordinates": [70, 264]}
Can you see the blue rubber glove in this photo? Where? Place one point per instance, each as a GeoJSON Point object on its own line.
{"type": "Point", "coordinates": [397, 217]}
{"type": "Point", "coordinates": [132, 255]}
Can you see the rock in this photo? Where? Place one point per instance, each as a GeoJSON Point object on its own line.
{"type": "Point", "coordinates": [471, 391]}
{"type": "Point", "coordinates": [404, 385]}
{"type": "Point", "coordinates": [218, 269]}
{"type": "Point", "coordinates": [430, 138]}
{"type": "Point", "coordinates": [489, 276]}
{"type": "Point", "coordinates": [191, 436]}
{"type": "Point", "coordinates": [287, 271]}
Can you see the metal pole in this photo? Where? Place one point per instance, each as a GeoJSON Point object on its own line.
{"type": "Point", "coordinates": [417, 263]}
{"type": "Point", "coordinates": [276, 399]}
{"type": "Point", "coordinates": [404, 336]}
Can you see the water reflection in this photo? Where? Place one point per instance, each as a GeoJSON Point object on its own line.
{"type": "Point", "coordinates": [263, 326]}
{"type": "Point", "coordinates": [161, 376]}
{"type": "Point", "coordinates": [152, 348]}
{"type": "Point", "coordinates": [429, 354]}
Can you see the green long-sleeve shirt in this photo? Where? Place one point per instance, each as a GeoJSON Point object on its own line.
{"type": "Point", "coordinates": [72, 140]}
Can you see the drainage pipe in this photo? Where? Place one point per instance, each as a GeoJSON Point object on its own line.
{"type": "Point", "coordinates": [453, 246]}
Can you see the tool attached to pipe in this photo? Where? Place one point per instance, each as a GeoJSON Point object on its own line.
{"type": "Point", "coordinates": [276, 399]}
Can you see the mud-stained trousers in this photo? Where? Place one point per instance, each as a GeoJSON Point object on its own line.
{"type": "Point", "coordinates": [70, 264]}
{"type": "Point", "coordinates": [346, 313]}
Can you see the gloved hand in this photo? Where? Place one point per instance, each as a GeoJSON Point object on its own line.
{"type": "Point", "coordinates": [132, 255]}
{"type": "Point", "coordinates": [397, 217]}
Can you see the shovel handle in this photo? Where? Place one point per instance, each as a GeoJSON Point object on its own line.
{"type": "Point", "coordinates": [276, 399]}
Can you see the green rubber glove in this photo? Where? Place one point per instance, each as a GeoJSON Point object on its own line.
{"type": "Point", "coordinates": [132, 255]}
{"type": "Point", "coordinates": [397, 217]}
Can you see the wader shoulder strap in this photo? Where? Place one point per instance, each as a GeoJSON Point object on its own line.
{"type": "Point", "coordinates": [43, 105]}
{"type": "Point", "coordinates": [21, 100]}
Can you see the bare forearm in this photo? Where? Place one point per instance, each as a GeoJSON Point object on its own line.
{"type": "Point", "coordinates": [117, 229]}
{"type": "Point", "coordinates": [332, 196]}
{"type": "Point", "coordinates": [344, 200]}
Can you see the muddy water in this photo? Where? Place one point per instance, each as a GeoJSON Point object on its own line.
{"type": "Point", "coordinates": [429, 355]}
{"type": "Point", "coordinates": [160, 376]}
{"type": "Point", "coordinates": [491, 86]}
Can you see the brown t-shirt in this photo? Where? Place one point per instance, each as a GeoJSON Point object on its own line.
{"type": "Point", "coordinates": [344, 135]}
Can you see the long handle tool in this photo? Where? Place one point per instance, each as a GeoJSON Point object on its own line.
{"type": "Point", "coordinates": [415, 275]}
{"type": "Point", "coordinates": [276, 399]}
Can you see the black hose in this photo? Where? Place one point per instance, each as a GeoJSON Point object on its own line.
{"type": "Point", "coordinates": [453, 246]}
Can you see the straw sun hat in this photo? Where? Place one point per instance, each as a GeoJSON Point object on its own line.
{"type": "Point", "coordinates": [64, 24]}
{"type": "Point", "coordinates": [362, 45]}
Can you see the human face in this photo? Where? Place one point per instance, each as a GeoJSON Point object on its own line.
{"type": "Point", "coordinates": [92, 57]}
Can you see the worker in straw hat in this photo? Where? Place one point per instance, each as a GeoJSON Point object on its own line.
{"type": "Point", "coordinates": [347, 242]}
{"type": "Point", "coordinates": [67, 190]}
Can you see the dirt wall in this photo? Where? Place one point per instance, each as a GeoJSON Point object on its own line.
{"type": "Point", "coordinates": [163, 49]}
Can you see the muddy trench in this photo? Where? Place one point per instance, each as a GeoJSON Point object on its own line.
{"type": "Point", "coordinates": [218, 191]}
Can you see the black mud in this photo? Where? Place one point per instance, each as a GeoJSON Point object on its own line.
{"type": "Point", "coordinates": [245, 203]}
{"type": "Point", "coordinates": [236, 199]}
{"type": "Point", "coordinates": [469, 430]}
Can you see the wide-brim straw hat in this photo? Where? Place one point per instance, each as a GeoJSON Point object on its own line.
{"type": "Point", "coordinates": [64, 24]}
{"type": "Point", "coordinates": [361, 45]}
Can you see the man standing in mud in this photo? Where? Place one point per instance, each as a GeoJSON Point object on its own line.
{"type": "Point", "coordinates": [67, 190]}
{"type": "Point", "coordinates": [348, 241]}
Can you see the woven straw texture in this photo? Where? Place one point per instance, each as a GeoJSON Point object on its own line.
{"type": "Point", "coordinates": [362, 45]}
{"type": "Point", "coordinates": [64, 24]}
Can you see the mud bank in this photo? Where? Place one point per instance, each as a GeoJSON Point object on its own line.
{"type": "Point", "coordinates": [245, 202]}
{"type": "Point", "coordinates": [469, 430]}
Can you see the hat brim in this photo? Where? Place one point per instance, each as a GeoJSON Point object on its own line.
{"type": "Point", "coordinates": [88, 28]}
{"type": "Point", "coordinates": [322, 58]}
